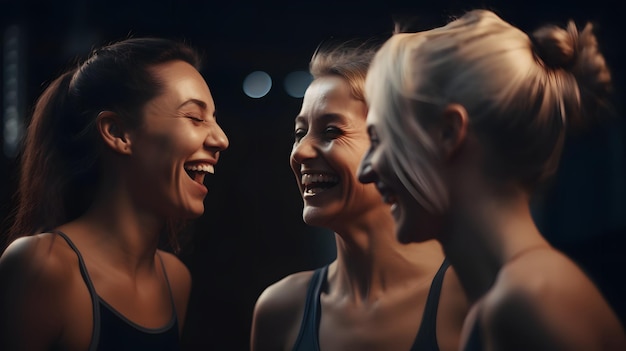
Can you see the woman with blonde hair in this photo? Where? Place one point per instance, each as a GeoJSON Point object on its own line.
{"type": "Point", "coordinates": [464, 121]}
{"type": "Point", "coordinates": [378, 294]}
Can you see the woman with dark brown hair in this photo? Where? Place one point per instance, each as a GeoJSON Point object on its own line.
{"type": "Point", "coordinates": [115, 155]}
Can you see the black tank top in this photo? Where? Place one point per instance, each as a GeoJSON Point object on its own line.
{"type": "Point", "coordinates": [426, 339]}
{"type": "Point", "coordinates": [113, 331]}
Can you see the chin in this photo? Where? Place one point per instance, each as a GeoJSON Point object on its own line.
{"type": "Point", "coordinates": [192, 213]}
{"type": "Point", "coordinates": [312, 220]}
{"type": "Point", "coordinates": [194, 216]}
{"type": "Point", "coordinates": [314, 217]}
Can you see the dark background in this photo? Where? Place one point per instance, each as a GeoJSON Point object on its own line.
{"type": "Point", "coordinates": [252, 233]}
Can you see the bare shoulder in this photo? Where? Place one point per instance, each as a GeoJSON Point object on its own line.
{"type": "Point", "coordinates": [285, 294]}
{"type": "Point", "coordinates": [36, 274]}
{"type": "Point", "coordinates": [278, 313]}
{"type": "Point", "coordinates": [544, 300]}
{"type": "Point", "coordinates": [38, 259]}
{"type": "Point", "coordinates": [177, 272]}
{"type": "Point", "coordinates": [179, 278]}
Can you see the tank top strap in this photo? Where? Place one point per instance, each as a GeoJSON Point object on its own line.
{"type": "Point", "coordinates": [427, 335]}
{"type": "Point", "coordinates": [167, 281]}
{"type": "Point", "coordinates": [308, 336]}
{"type": "Point", "coordinates": [92, 290]}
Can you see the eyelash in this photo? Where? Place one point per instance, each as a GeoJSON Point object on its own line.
{"type": "Point", "coordinates": [333, 131]}
{"type": "Point", "coordinates": [195, 119]}
{"type": "Point", "coordinates": [299, 134]}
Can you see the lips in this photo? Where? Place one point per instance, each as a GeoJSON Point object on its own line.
{"type": "Point", "coordinates": [388, 196]}
{"type": "Point", "coordinates": [314, 183]}
{"type": "Point", "coordinates": [198, 170]}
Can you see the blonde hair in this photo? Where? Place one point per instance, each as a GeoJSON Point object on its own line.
{"type": "Point", "coordinates": [520, 93]}
{"type": "Point", "coordinates": [348, 61]}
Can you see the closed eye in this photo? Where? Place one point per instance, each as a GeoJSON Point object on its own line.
{"type": "Point", "coordinates": [332, 132]}
{"type": "Point", "coordinates": [299, 134]}
{"type": "Point", "coordinates": [195, 118]}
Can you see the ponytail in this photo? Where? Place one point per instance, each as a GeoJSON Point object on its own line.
{"type": "Point", "coordinates": [61, 158]}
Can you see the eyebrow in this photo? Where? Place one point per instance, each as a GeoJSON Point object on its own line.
{"type": "Point", "coordinates": [200, 103]}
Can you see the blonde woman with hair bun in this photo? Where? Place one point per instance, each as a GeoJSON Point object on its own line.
{"type": "Point", "coordinates": [464, 120]}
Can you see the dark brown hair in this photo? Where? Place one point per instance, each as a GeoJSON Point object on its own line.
{"type": "Point", "coordinates": [59, 169]}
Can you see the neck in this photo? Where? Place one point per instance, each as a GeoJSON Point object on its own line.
{"type": "Point", "coordinates": [371, 261]}
{"type": "Point", "coordinates": [484, 233]}
{"type": "Point", "coordinates": [124, 234]}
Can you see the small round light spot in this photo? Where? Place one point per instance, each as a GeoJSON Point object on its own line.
{"type": "Point", "coordinates": [257, 84]}
{"type": "Point", "coordinates": [296, 83]}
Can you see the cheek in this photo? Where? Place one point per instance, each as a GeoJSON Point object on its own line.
{"type": "Point", "coordinates": [351, 154]}
{"type": "Point", "coordinates": [183, 142]}
{"type": "Point", "coordinates": [161, 150]}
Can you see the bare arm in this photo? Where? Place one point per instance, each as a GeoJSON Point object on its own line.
{"type": "Point", "coordinates": [516, 324]}
{"type": "Point", "coordinates": [560, 309]}
{"type": "Point", "coordinates": [32, 282]}
{"type": "Point", "coordinates": [278, 314]}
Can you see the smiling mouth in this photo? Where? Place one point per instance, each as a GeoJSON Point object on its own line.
{"type": "Point", "coordinates": [198, 171]}
{"type": "Point", "coordinates": [388, 197]}
{"type": "Point", "coordinates": [317, 183]}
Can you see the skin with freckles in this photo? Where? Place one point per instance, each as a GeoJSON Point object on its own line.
{"type": "Point", "coordinates": [150, 167]}
{"type": "Point", "coordinates": [376, 288]}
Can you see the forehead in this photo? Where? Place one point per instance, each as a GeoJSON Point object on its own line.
{"type": "Point", "coordinates": [330, 95]}
{"type": "Point", "coordinates": [182, 82]}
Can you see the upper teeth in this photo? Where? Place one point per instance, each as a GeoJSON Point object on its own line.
{"type": "Point", "coordinates": [208, 168]}
{"type": "Point", "coordinates": [308, 179]}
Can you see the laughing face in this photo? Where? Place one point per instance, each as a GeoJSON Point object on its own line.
{"type": "Point", "coordinates": [177, 145]}
{"type": "Point", "coordinates": [414, 223]}
{"type": "Point", "coordinates": [330, 140]}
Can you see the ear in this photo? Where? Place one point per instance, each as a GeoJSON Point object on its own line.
{"type": "Point", "coordinates": [114, 132]}
{"type": "Point", "coordinates": [453, 132]}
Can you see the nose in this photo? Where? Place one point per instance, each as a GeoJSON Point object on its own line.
{"type": "Point", "coordinates": [303, 150]}
{"type": "Point", "coordinates": [216, 139]}
{"type": "Point", "coordinates": [366, 173]}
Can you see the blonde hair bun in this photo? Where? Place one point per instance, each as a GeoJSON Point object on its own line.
{"type": "Point", "coordinates": [578, 53]}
